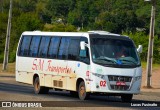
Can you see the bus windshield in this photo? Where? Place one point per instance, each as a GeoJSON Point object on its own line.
{"type": "Point", "coordinates": [108, 51]}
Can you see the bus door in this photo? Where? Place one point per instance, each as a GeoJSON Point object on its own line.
{"type": "Point", "coordinates": [22, 60]}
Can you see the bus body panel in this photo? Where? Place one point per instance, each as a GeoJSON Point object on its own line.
{"type": "Point", "coordinates": [82, 71]}
{"type": "Point", "coordinates": [71, 78]}
{"type": "Point", "coordinates": [24, 72]}
{"type": "Point", "coordinates": [104, 83]}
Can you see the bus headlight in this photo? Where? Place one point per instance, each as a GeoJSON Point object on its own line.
{"type": "Point", "coordinates": [137, 78]}
{"type": "Point", "coordinates": [98, 75]}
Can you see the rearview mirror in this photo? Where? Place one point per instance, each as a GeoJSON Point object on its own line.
{"type": "Point", "coordinates": [82, 45]}
{"type": "Point", "coordinates": [139, 49]}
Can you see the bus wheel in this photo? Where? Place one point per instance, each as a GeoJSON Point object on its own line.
{"type": "Point", "coordinates": [39, 89]}
{"type": "Point", "coordinates": [83, 95]}
{"type": "Point", "coordinates": [126, 97]}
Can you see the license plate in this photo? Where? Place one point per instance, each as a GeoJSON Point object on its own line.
{"type": "Point", "coordinates": [120, 83]}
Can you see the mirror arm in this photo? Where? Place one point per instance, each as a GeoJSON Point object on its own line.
{"type": "Point", "coordinates": [86, 45]}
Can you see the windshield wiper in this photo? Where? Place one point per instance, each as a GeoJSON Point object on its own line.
{"type": "Point", "coordinates": [128, 61]}
{"type": "Point", "coordinates": [106, 59]}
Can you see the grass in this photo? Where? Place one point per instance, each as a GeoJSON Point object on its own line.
{"type": "Point", "coordinates": [155, 66]}
{"type": "Point", "coordinates": [10, 68]}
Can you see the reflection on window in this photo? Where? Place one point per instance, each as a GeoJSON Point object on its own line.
{"type": "Point", "coordinates": [73, 49]}
{"type": "Point", "coordinates": [63, 50]}
{"type": "Point", "coordinates": [53, 48]}
{"type": "Point", "coordinates": [34, 46]}
{"type": "Point", "coordinates": [24, 49]}
{"type": "Point", "coordinates": [113, 51]}
{"type": "Point", "coordinates": [44, 46]}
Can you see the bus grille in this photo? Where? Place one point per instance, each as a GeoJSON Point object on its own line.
{"type": "Point", "coordinates": [114, 79]}
{"type": "Point", "coordinates": [123, 88]}
{"type": "Point", "coordinates": [120, 78]}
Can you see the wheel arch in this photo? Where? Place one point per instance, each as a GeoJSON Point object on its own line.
{"type": "Point", "coordinates": [79, 80]}
{"type": "Point", "coordinates": [34, 77]}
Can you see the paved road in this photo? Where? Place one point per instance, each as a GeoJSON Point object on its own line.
{"type": "Point", "coordinates": [10, 90]}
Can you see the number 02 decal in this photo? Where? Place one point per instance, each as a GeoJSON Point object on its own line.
{"type": "Point", "coordinates": [103, 83]}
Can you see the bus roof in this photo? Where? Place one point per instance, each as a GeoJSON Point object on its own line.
{"type": "Point", "coordinates": [41, 33]}
{"type": "Point", "coordinates": [53, 33]}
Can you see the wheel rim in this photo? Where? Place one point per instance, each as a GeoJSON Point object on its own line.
{"type": "Point", "coordinates": [37, 86]}
{"type": "Point", "coordinates": [82, 91]}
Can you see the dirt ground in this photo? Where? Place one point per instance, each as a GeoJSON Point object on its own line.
{"type": "Point", "coordinates": [155, 78]}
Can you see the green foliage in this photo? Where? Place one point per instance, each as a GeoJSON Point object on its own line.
{"type": "Point", "coordinates": [3, 27]}
{"type": "Point", "coordinates": [59, 8]}
{"type": "Point", "coordinates": [117, 16]}
{"type": "Point", "coordinates": [12, 56]}
{"type": "Point", "coordinates": [59, 28]}
{"type": "Point", "coordinates": [140, 38]}
{"type": "Point", "coordinates": [27, 5]}
{"type": "Point", "coordinates": [27, 22]}
{"type": "Point", "coordinates": [70, 28]}
{"type": "Point", "coordinates": [1, 58]}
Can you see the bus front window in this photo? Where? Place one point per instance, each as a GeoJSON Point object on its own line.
{"type": "Point", "coordinates": [107, 51]}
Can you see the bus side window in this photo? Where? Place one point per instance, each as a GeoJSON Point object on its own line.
{"type": "Point", "coordinates": [63, 49]}
{"type": "Point", "coordinates": [44, 47]}
{"type": "Point", "coordinates": [85, 59]}
{"type": "Point", "coordinates": [73, 49]}
{"type": "Point", "coordinates": [34, 46]}
{"type": "Point", "coordinates": [24, 47]}
{"type": "Point", "coordinates": [53, 47]}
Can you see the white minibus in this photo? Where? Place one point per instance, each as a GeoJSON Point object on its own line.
{"type": "Point", "coordinates": [79, 62]}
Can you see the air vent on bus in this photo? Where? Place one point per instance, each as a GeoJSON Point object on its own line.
{"type": "Point", "coordinates": [57, 83]}
{"type": "Point", "coordinates": [115, 87]}
{"type": "Point", "coordinates": [120, 78]}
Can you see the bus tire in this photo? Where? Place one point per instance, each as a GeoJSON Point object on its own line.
{"type": "Point", "coordinates": [83, 95]}
{"type": "Point", "coordinates": [39, 89]}
{"type": "Point", "coordinates": [126, 97]}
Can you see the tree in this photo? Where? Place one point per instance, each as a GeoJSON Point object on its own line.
{"type": "Point", "coordinates": [116, 16]}
{"type": "Point", "coordinates": [3, 27]}
{"type": "Point", "coordinates": [59, 8]}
